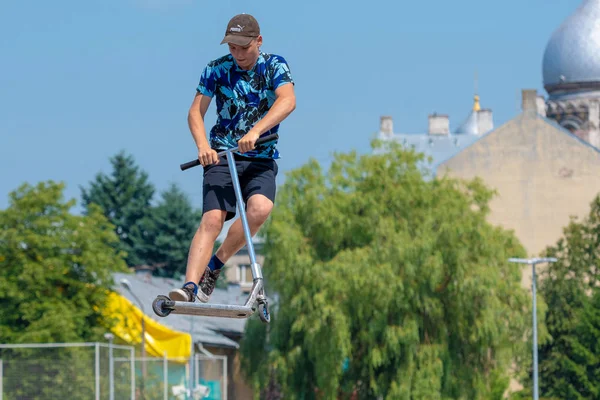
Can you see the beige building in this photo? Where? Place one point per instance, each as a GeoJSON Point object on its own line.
{"type": "Point", "coordinates": [542, 172]}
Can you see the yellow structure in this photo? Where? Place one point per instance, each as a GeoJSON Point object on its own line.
{"type": "Point", "coordinates": [160, 340]}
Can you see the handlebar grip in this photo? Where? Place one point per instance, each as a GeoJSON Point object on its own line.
{"type": "Point", "coordinates": [189, 164]}
{"type": "Point", "coordinates": [264, 139]}
{"type": "Point", "coordinates": [267, 138]}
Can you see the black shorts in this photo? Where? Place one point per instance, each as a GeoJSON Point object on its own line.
{"type": "Point", "coordinates": [256, 176]}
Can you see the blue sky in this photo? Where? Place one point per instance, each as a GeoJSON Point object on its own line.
{"type": "Point", "coordinates": [82, 80]}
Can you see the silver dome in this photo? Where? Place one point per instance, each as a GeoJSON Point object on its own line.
{"type": "Point", "coordinates": [573, 52]}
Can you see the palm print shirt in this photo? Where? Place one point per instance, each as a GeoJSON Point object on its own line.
{"type": "Point", "coordinates": [243, 98]}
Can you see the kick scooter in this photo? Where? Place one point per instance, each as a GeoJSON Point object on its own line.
{"type": "Point", "coordinates": [163, 305]}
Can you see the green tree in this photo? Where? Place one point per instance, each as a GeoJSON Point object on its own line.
{"type": "Point", "coordinates": [125, 198]}
{"type": "Point", "coordinates": [55, 267]}
{"type": "Point", "coordinates": [173, 224]}
{"type": "Point", "coordinates": [589, 332]}
{"type": "Point", "coordinates": [391, 284]}
{"type": "Point", "coordinates": [569, 363]}
{"type": "Point", "coordinates": [55, 272]}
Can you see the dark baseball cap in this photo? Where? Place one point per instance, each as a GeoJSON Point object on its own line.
{"type": "Point", "coordinates": [241, 29]}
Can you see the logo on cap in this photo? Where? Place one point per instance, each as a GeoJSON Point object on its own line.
{"type": "Point", "coordinates": [241, 29]}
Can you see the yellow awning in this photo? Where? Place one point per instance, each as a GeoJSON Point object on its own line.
{"type": "Point", "coordinates": [159, 338]}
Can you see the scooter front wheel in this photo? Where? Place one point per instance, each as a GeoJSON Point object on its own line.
{"type": "Point", "coordinates": [158, 305]}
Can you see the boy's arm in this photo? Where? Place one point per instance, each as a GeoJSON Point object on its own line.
{"type": "Point", "coordinates": [196, 114]}
{"type": "Point", "coordinates": [283, 106]}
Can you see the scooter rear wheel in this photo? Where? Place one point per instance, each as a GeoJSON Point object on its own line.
{"type": "Point", "coordinates": [263, 312]}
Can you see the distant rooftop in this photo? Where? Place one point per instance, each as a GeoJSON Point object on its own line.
{"type": "Point", "coordinates": [438, 142]}
{"type": "Point", "coordinates": [439, 148]}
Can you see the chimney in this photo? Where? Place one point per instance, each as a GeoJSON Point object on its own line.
{"type": "Point", "coordinates": [439, 124]}
{"type": "Point", "coordinates": [485, 121]}
{"type": "Point", "coordinates": [541, 106]}
{"type": "Point", "coordinates": [529, 101]}
{"type": "Point", "coordinates": [386, 126]}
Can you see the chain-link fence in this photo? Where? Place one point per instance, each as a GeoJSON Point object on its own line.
{"type": "Point", "coordinates": [75, 371]}
{"type": "Point", "coordinates": [99, 371]}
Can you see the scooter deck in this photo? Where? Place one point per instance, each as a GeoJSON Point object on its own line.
{"type": "Point", "coordinates": [211, 310]}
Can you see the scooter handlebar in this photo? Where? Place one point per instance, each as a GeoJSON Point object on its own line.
{"type": "Point", "coordinates": [261, 140]}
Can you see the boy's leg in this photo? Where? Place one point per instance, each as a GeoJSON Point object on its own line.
{"type": "Point", "coordinates": [199, 254]}
{"type": "Point", "coordinates": [203, 243]}
{"type": "Point", "coordinates": [258, 210]}
{"type": "Point", "coordinates": [218, 206]}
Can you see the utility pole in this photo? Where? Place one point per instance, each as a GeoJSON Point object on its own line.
{"type": "Point", "coordinates": [533, 262]}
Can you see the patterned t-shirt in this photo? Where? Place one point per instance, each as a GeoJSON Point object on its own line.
{"type": "Point", "coordinates": [243, 98]}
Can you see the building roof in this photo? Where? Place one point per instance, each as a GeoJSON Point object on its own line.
{"type": "Point", "coordinates": [548, 121]}
{"type": "Point", "coordinates": [438, 147]}
{"type": "Point", "coordinates": [441, 146]}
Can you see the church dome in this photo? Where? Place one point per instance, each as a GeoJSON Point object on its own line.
{"type": "Point", "coordinates": [572, 56]}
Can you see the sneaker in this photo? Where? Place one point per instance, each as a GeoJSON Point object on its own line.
{"type": "Point", "coordinates": [187, 293]}
{"type": "Point", "coordinates": [207, 284]}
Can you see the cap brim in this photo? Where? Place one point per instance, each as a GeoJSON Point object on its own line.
{"type": "Point", "coordinates": [237, 39]}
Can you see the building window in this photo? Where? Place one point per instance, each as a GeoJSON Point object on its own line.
{"type": "Point", "coordinates": [244, 274]}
